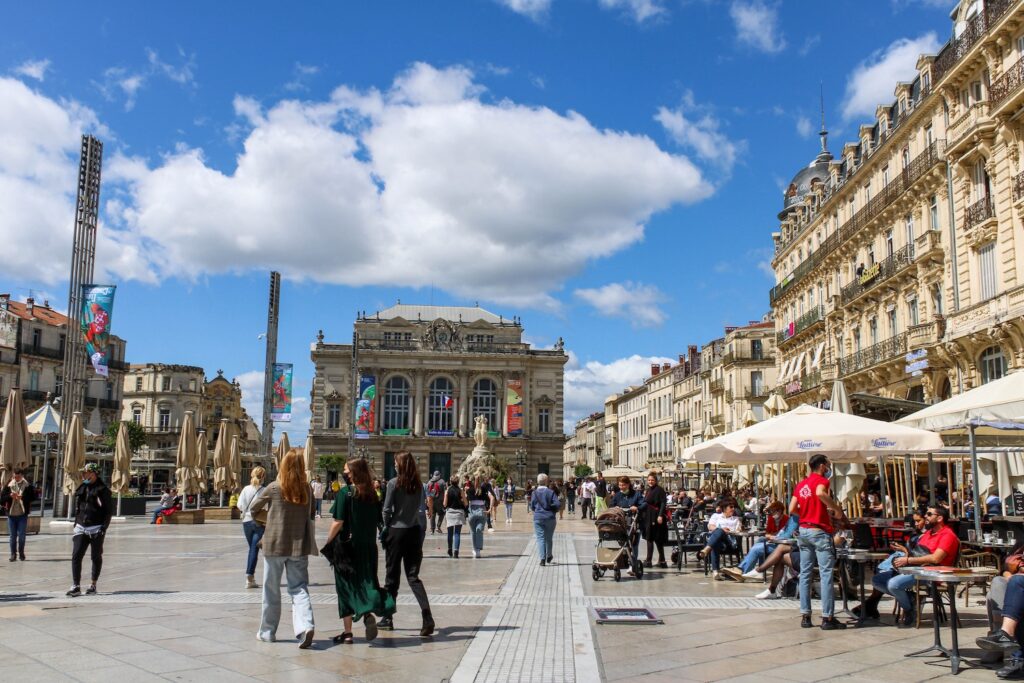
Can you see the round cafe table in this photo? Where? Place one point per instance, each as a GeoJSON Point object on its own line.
{"type": "Point", "coordinates": [951, 579]}
{"type": "Point", "coordinates": [848, 556]}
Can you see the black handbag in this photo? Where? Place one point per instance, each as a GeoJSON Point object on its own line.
{"type": "Point", "coordinates": [340, 551]}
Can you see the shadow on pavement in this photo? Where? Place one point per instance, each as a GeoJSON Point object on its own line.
{"type": "Point", "coordinates": [24, 597]}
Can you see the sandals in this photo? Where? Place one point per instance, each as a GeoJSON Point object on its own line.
{"type": "Point", "coordinates": [345, 637]}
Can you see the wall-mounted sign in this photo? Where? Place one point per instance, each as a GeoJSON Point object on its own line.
{"type": "Point", "coordinates": [917, 366]}
{"type": "Point", "coordinates": [870, 273]}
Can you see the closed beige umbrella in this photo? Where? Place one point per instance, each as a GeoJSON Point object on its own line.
{"type": "Point", "coordinates": [199, 464]}
{"type": "Point", "coordinates": [121, 477]}
{"type": "Point", "coordinates": [847, 477]}
{"type": "Point", "coordinates": [184, 473]}
{"type": "Point", "coordinates": [235, 465]}
{"type": "Point", "coordinates": [222, 460]}
{"type": "Point", "coordinates": [309, 457]}
{"type": "Point", "coordinates": [282, 449]}
{"type": "Point", "coordinates": [16, 448]}
{"type": "Point", "coordinates": [74, 456]}
{"type": "Point", "coordinates": [776, 405]}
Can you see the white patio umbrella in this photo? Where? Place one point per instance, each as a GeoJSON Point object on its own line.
{"type": "Point", "coordinates": [847, 478]}
{"type": "Point", "coordinates": [988, 409]}
{"type": "Point", "coordinates": [15, 450]}
{"type": "Point", "coordinates": [776, 404]}
{"type": "Point", "coordinates": [222, 459]}
{"type": "Point", "coordinates": [616, 471]}
{"type": "Point", "coordinates": [806, 430]}
{"type": "Point", "coordinates": [47, 422]}
{"type": "Point", "coordinates": [120, 478]}
{"type": "Point", "coordinates": [309, 457]}
{"type": "Point", "coordinates": [74, 457]}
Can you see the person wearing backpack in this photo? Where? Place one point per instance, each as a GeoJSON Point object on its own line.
{"type": "Point", "coordinates": [435, 499]}
{"type": "Point", "coordinates": [250, 527]}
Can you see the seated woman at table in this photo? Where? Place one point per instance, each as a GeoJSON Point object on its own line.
{"type": "Point", "coordinates": [938, 545]}
{"type": "Point", "coordinates": [779, 525]}
{"type": "Point", "coordinates": [722, 527]}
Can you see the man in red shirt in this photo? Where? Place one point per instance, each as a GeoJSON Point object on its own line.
{"type": "Point", "coordinates": [812, 502]}
{"type": "Point", "coordinates": [942, 545]}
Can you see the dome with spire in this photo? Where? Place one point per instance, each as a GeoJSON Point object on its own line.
{"type": "Point", "coordinates": [805, 179]}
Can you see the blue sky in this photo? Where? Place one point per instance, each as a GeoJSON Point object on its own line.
{"type": "Point", "coordinates": [609, 170]}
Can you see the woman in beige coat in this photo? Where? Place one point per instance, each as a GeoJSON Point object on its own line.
{"type": "Point", "coordinates": [289, 539]}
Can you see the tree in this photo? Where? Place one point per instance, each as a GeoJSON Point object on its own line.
{"type": "Point", "coordinates": [332, 463]}
{"type": "Point", "coordinates": [136, 435]}
{"type": "Point", "coordinates": [582, 470]}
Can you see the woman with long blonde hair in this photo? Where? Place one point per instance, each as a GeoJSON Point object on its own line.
{"type": "Point", "coordinates": [289, 539]}
{"type": "Point", "coordinates": [253, 531]}
{"type": "Point", "coordinates": [357, 511]}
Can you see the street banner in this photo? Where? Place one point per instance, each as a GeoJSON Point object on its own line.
{"type": "Point", "coordinates": [97, 309]}
{"type": "Point", "coordinates": [514, 406]}
{"type": "Point", "coordinates": [281, 393]}
{"type": "Point", "coordinates": [8, 329]}
{"type": "Point", "coordinates": [366, 407]}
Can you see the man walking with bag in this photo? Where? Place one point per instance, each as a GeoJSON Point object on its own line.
{"type": "Point", "coordinates": [94, 507]}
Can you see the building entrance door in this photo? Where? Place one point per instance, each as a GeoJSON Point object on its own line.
{"type": "Point", "coordinates": [543, 468]}
{"type": "Point", "coordinates": [441, 462]}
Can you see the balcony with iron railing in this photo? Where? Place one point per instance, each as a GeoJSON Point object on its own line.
{"type": "Point", "coordinates": [812, 317]}
{"type": "Point", "coordinates": [1004, 88]}
{"type": "Point", "coordinates": [757, 393]}
{"type": "Point", "coordinates": [873, 355]}
{"type": "Point", "coordinates": [717, 422]}
{"type": "Point", "coordinates": [975, 119]}
{"type": "Point", "coordinates": [717, 386]}
{"type": "Point", "coordinates": [748, 356]}
{"type": "Point", "coordinates": [804, 382]}
{"type": "Point", "coordinates": [681, 426]}
{"type": "Point", "coordinates": [914, 171]}
{"type": "Point", "coordinates": [979, 212]}
{"type": "Point", "coordinates": [102, 403]}
{"type": "Point", "coordinates": [162, 429]}
{"type": "Point", "coordinates": [42, 351]}
{"type": "Point", "coordinates": [877, 273]}
{"type": "Point", "coordinates": [973, 31]}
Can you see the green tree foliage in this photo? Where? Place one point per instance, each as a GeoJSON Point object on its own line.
{"type": "Point", "coordinates": [582, 470]}
{"type": "Point", "coordinates": [136, 435]}
{"type": "Point", "coordinates": [332, 463]}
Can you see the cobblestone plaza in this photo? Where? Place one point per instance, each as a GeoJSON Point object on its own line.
{"type": "Point", "coordinates": [171, 607]}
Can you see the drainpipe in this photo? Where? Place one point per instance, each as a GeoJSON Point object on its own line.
{"type": "Point", "coordinates": [952, 238]}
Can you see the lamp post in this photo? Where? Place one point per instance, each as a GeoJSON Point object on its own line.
{"type": "Point", "coordinates": [521, 464]}
{"type": "Point", "coordinates": [364, 453]}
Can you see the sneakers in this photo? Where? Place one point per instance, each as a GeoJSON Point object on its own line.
{"type": "Point", "coordinates": [543, 562]}
{"type": "Point", "coordinates": [74, 592]}
{"type": "Point", "coordinates": [871, 612]}
{"type": "Point", "coordinates": [663, 565]}
{"type": "Point", "coordinates": [250, 581]}
{"type": "Point", "coordinates": [733, 573]}
{"type": "Point", "coordinates": [386, 624]}
{"type": "Point", "coordinates": [307, 640]}
{"type": "Point", "coordinates": [831, 624]}
{"type": "Point", "coordinates": [476, 554]}
{"type": "Point", "coordinates": [91, 590]}
{"type": "Point", "coordinates": [1013, 669]}
{"type": "Point", "coordinates": [767, 594]}
{"type": "Point", "coordinates": [717, 576]}
{"type": "Point", "coordinates": [490, 529]}
{"type": "Point", "coordinates": [704, 552]}
{"type": "Point", "coordinates": [805, 621]}
{"type": "Point", "coordinates": [13, 558]}
{"type": "Point", "coordinates": [754, 575]}
{"type": "Point", "coordinates": [370, 622]}
{"type": "Point", "coordinates": [998, 641]}
{"type": "Point", "coordinates": [909, 620]}
{"type": "Point", "coordinates": [21, 555]}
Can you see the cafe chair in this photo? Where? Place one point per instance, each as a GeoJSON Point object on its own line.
{"type": "Point", "coordinates": [973, 559]}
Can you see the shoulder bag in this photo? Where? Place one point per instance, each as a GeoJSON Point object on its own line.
{"type": "Point", "coordinates": [339, 551]}
{"type": "Point", "coordinates": [261, 516]}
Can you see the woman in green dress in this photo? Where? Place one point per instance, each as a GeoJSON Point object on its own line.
{"type": "Point", "coordinates": [357, 509]}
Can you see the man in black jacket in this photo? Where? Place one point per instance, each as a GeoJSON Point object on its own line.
{"type": "Point", "coordinates": [94, 507]}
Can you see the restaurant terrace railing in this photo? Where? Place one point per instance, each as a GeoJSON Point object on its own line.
{"type": "Point", "coordinates": [873, 355]}
{"type": "Point", "coordinates": [878, 273]}
{"type": "Point", "coordinates": [914, 171]}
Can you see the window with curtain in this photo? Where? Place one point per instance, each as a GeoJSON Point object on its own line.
{"type": "Point", "coordinates": [440, 406]}
{"type": "Point", "coordinates": [396, 404]}
{"type": "Point", "coordinates": [987, 271]}
{"type": "Point", "coordinates": [485, 402]}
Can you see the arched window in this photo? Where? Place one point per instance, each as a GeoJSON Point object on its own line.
{"type": "Point", "coordinates": [485, 402]}
{"type": "Point", "coordinates": [440, 406]}
{"type": "Point", "coordinates": [992, 363]}
{"type": "Point", "coordinates": [396, 404]}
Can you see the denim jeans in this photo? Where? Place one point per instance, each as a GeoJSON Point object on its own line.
{"type": "Point", "coordinates": [454, 537]}
{"type": "Point", "coordinates": [755, 556]}
{"type": "Point", "coordinates": [544, 530]}
{"type": "Point", "coordinates": [17, 525]}
{"type": "Point", "coordinates": [253, 534]}
{"type": "Point", "coordinates": [319, 505]}
{"type": "Point", "coordinates": [572, 504]}
{"type": "Point", "coordinates": [899, 586]}
{"type": "Point", "coordinates": [508, 509]}
{"type": "Point", "coordinates": [297, 569]}
{"type": "Point", "coordinates": [477, 521]}
{"type": "Point", "coordinates": [816, 544]}
{"type": "Point", "coordinates": [719, 542]}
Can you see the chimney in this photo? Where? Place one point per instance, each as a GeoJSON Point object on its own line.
{"type": "Point", "coordinates": [666, 367]}
{"type": "Point", "coordinates": [5, 299]}
{"type": "Point", "coordinates": [655, 369]}
{"type": "Point", "coordinates": [691, 352]}
{"type": "Point", "coordinates": [30, 304]}
{"type": "Point", "coordinates": [46, 303]}
{"type": "Point", "coordinates": [682, 359]}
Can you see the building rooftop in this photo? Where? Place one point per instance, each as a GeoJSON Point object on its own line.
{"type": "Point", "coordinates": [414, 312]}
{"type": "Point", "coordinates": [29, 310]}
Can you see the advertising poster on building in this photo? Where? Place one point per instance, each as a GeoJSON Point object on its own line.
{"type": "Point", "coordinates": [514, 406]}
{"type": "Point", "coordinates": [366, 419]}
{"type": "Point", "coordinates": [97, 309]}
{"type": "Point", "coordinates": [8, 329]}
{"type": "Point", "coordinates": [281, 393]}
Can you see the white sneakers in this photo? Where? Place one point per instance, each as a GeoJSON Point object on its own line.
{"type": "Point", "coordinates": [754, 574]}
{"type": "Point", "coordinates": [476, 554]}
{"type": "Point", "coordinates": [766, 594]}
{"type": "Point", "coordinates": [490, 530]}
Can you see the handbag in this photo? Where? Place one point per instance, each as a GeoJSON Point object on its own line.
{"type": "Point", "coordinates": [340, 551]}
{"type": "Point", "coordinates": [259, 517]}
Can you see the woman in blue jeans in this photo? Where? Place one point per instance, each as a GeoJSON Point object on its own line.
{"type": "Point", "coordinates": [1008, 638]}
{"type": "Point", "coordinates": [544, 505]}
{"type": "Point", "coordinates": [17, 499]}
{"type": "Point", "coordinates": [480, 501]}
{"type": "Point", "coordinates": [721, 526]}
{"type": "Point", "coordinates": [253, 531]}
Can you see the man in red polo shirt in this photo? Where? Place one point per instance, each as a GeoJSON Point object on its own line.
{"type": "Point", "coordinates": [812, 501]}
{"type": "Point", "coordinates": [942, 545]}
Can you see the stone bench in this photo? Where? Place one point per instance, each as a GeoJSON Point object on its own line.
{"type": "Point", "coordinates": [187, 517]}
{"type": "Point", "coordinates": [223, 514]}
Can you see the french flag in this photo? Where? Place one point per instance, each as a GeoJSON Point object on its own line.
{"type": "Point", "coordinates": [447, 401]}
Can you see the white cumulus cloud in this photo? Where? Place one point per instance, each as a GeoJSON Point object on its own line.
{"type": "Point", "coordinates": [634, 301]}
{"type": "Point", "coordinates": [588, 384]}
{"type": "Point", "coordinates": [424, 183]}
{"type": "Point", "coordinates": [873, 81]}
{"type": "Point", "coordinates": [33, 68]}
{"type": "Point", "coordinates": [757, 25]}
{"type": "Point", "coordinates": [639, 10]}
{"type": "Point", "coordinates": [535, 9]}
{"type": "Point", "coordinates": [804, 127]}
{"type": "Point", "coordinates": [696, 128]}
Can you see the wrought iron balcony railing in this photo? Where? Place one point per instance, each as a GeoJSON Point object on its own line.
{"type": "Point", "coordinates": [815, 315]}
{"type": "Point", "coordinates": [979, 212]}
{"type": "Point", "coordinates": [974, 30]}
{"type": "Point", "coordinates": [878, 273]}
{"type": "Point", "coordinates": [717, 386]}
{"type": "Point", "coordinates": [1007, 84]}
{"type": "Point", "coordinates": [681, 425]}
{"type": "Point", "coordinates": [873, 355]}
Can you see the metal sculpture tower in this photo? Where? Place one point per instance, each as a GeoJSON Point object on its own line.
{"type": "Point", "coordinates": [83, 261]}
{"type": "Point", "coordinates": [273, 310]}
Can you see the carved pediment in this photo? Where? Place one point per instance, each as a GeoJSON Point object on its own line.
{"type": "Point", "coordinates": [544, 400]}
{"type": "Point", "coordinates": [399, 321]}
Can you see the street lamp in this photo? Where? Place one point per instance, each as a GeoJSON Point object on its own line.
{"type": "Point", "coordinates": [364, 453]}
{"type": "Point", "coordinates": [521, 464]}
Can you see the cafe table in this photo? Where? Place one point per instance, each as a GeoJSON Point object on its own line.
{"type": "Point", "coordinates": [951, 577]}
{"type": "Point", "coordinates": [848, 556]}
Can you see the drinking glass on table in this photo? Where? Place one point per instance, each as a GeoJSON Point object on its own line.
{"type": "Point", "coordinates": [1009, 537]}
{"type": "Point", "coordinates": [972, 535]}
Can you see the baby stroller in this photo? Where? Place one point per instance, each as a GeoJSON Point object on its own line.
{"type": "Point", "coordinates": [616, 531]}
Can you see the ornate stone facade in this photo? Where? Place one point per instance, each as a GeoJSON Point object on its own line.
{"type": "Point", "coordinates": [435, 369]}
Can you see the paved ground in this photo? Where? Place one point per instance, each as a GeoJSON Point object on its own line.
{"type": "Point", "coordinates": [172, 607]}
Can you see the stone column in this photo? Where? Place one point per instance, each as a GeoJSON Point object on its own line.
{"type": "Point", "coordinates": [412, 402]}
{"type": "Point", "coordinates": [378, 427]}
{"type": "Point", "coordinates": [418, 401]}
{"type": "Point", "coordinates": [463, 402]}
